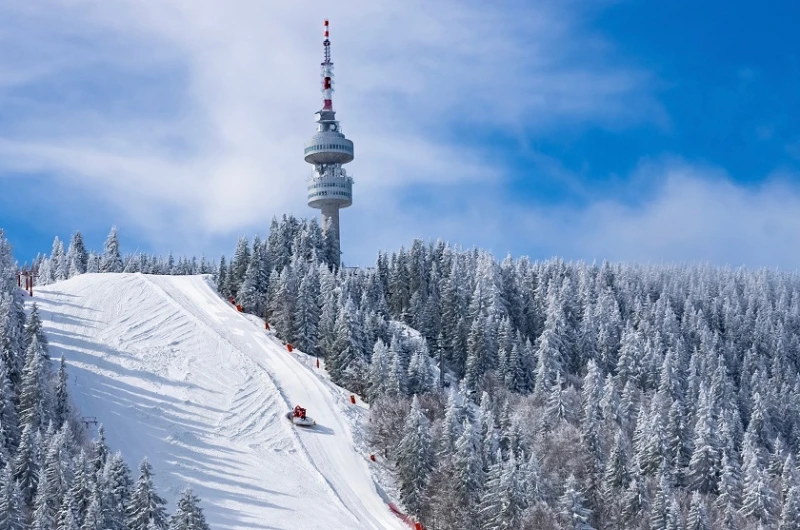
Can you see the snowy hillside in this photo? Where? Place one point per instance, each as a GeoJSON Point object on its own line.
{"type": "Point", "coordinates": [177, 375]}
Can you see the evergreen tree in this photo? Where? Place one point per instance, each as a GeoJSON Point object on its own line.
{"type": "Point", "coordinates": [58, 259]}
{"type": "Point", "coordinates": [77, 256]}
{"type": "Point", "coordinates": [790, 515]}
{"type": "Point", "coordinates": [111, 261]}
{"type": "Point", "coordinates": [704, 466]}
{"type": "Point", "coordinates": [26, 465]}
{"type": "Point", "coordinates": [308, 312]}
{"type": "Point", "coordinates": [378, 371]}
{"type": "Point", "coordinates": [61, 412]}
{"type": "Point", "coordinates": [414, 458]}
{"type": "Point", "coordinates": [238, 267]}
{"type": "Point", "coordinates": [452, 424]}
{"type": "Point", "coordinates": [117, 493]}
{"type": "Point", "coordinates": [698, 516]}
{"type": "Point", "coordinates": [146, 510]}
{"type": "Point", "coordinates": [34, 327]}
{"type": "Point", "coordinates": [12, 516]}
{"type": "Point", "coordinates": [468, 476]}
{"type": "Point", "coordinates": [189, 514]}
{"type": "Point", "coordinates": [574, 513]}
{"type": "Point", "coordinates": [674, 520]}
{"type": "Point", "coordinates": [549, 362]}
{"type": "Point", "coordinates": [759, 502]}
{"type": "Point", "coordinates": [419, 372]}
{"type": "Point", "coordinates": [44, 506]}
{"type": "Point", "coordinates": [617, 474]}
{"type": "Point", "coordinates": [34, 391]}
{"type": "Point", "coordinates": [223, 287]}
{"type": "Point", "coordinates": [249, 296]}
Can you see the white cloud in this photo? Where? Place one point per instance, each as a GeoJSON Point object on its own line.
{"type": "Point", "coordinates": [201, 108]}
{"type": "Point", "coordinates": [691, 214]}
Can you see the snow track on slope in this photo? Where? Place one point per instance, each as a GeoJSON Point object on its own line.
{"type": "Point", "coordinates": [177, 375]}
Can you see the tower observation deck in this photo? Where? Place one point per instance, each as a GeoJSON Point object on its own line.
{"type": "Point", "coordinates": [330, 188]}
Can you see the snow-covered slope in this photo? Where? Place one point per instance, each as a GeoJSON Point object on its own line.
{"type": "Point", "coordinates": [177, 375]}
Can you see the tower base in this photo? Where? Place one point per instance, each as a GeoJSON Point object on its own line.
{"type": "Point", "coordinates": [330, 227]}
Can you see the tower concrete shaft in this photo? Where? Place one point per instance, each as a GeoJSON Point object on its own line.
{"type": "Point", "coordinates": [330, 188]}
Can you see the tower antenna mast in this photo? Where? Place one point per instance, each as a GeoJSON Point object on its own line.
{"type": "Point", "coordinates": [330, 188]}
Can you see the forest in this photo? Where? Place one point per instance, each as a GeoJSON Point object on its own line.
{"type": "Point", "coordinates": [546, 394]}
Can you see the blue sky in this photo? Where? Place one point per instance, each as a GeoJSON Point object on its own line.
{"type": "Point", "coordinates": [633, 130]}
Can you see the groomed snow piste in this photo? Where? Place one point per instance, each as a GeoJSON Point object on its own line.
{"type": "Point", "coordinates": [174, 373]}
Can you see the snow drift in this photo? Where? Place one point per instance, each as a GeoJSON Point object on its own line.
{"type": "Point", "coordinates": [177, 375]}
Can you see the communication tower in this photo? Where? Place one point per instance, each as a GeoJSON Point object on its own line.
{"type": "Point", "coordinates": [330, 188]}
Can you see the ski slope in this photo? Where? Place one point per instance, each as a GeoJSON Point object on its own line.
{"type": "Point", "coordinates": [174, 373]}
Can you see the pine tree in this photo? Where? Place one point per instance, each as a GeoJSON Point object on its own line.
{"type": "Point", "coordinates": [790, 515]}
{"type": "Point", "coordinates": [111, 261]}
{"type": "Point", "coordinates": [77, 256]}
{"type": "Point", "coordinates": [491, 503]}
{"type": "Point", "coordinates": [223, 286]}
{"type": "Point", "coordinates": [12, 516]}
{"type": "Point", "coordinates": [704, 466]}
{"type": "Point", "coordinates": [283, 305]}
{"type": "Point", "coordinates": [238, 266]}
{"type": "Point", "coordinates": [573, 512]}
{"type": "Point", "coordinates": [189, 514]}
{"type": "Point", "coordinates": [758, 500]}
{"type": "Point", "coordinates": [94, 518]}
{"type": "Point", "coordinates": [9, 421]}
{"type": "Point", "coordinates": [730, 484]}
{"type": "Point", "coordinates": [635, 501]}
{"type": "Point", "coordinates": [116, 493]}
{"type": "Point", "coordinates": [34, 327]}
{"type": "Point", "coordinates": [420, 379]}
{"type": "Point", "coordinates": [452, 424]}
{"type": "Point", "coordinates": [249, 296]}
{"type": "Point", "coordinates": [617, 474]}
{"type": "Point", "coordinates": [698, 516]}
{"type": "Point", "coordinates": [44, 506]}
{"type": "Point", "coordinates": [378, 371]}
{"type": "Point", "coordinates": [59, 261]}
{"type": "Point", "coordinates": [414, 458]}
{"type": "Point", "coordinates": [674, 519]}
{"type": "Point", "coordinates": [146, 510]}
{"type": "Point", "coordinates": [549, 362]}
{"type": "Point", "coordinates": [308, 312]}
{"type": "Point", "coordinates": [67, 517]}
{"type": "Point", "coordinates": [26, 465]}
{"type": "Point", "coordinates": [61, 412]}
{"type": "Point", "coordinates": [34, 396]}
{"type": "Point", "coordinates": [468, 476]}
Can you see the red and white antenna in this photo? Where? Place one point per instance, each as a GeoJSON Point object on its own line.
{"type": "Point", "coordinates": [327, 72]}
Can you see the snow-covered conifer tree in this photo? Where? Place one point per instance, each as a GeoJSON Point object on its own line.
{"type": "Point", "coordinates": [188, 514]}
{"type": "Point", "coordinates": [705, 464]}
{"type": "Point", "coordinates": [146, 510]}
{"type": "Point", "coordinates": [12, 515]}
{"type": "Point", "coordinates": [420, 378]}
{"type": "Point", "coordinates": [790, 515]}
{"type": "Point", "coordinates": [414, 457]}
{"type": "Point", "coordinates": [77, 256]}
{"type": "Point", "coordinates": [307, 312]}
{"type": "Point", "coordinates": [34, 396]}
{"type": "Point", "coordinates": [111, 261]}
{"type": "Point", "coordinates": [574, 513]}
{"type": "Point", "coordinates": [698, 515]}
